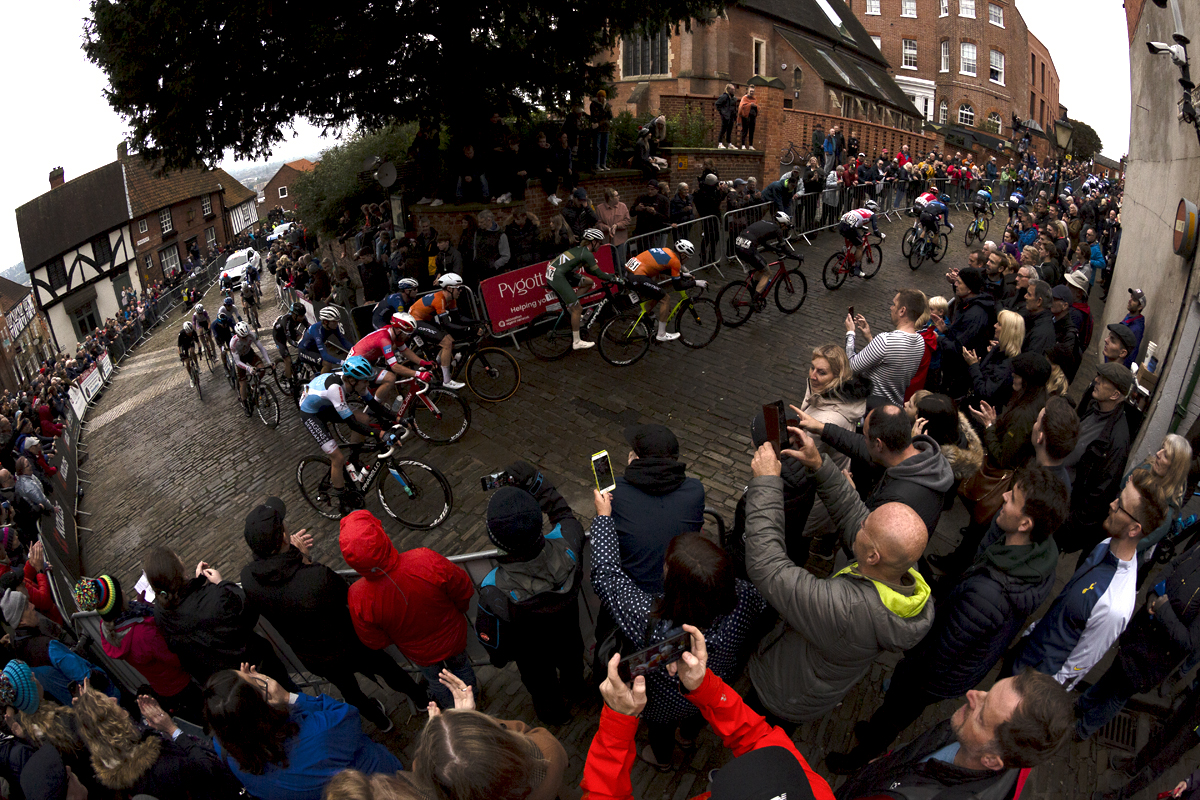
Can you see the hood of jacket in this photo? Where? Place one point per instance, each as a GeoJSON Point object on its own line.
{"type": "Point", "coordinates": [116, 632]}
{"type": "Point", "coordinates": [366, 548]}
{"type": "Point", "coordinates": [928, 468]}
{"type": "Point", "coordinates": [123, 770]}
{"type": "Point", "coordinates": [278, 569]}
{"type": "Point", "coordinates": [904, 601]}
{"type": "Point", "coordinates": [656, 475]}
{"type": "Point", "coordinates": [985, 302]}
{"type": "Point", "coordinates": [849, 401]}
{"type": "Point", "coordinates": [1027, 563]}
{"type": "Point", "coordinates": [966, 457]}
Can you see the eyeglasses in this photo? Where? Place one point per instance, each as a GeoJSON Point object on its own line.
{"type": "Point", "coordinates": [1125, 510]}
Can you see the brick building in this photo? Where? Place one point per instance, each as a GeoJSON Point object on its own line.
{"type": "Point", "coordinates": [24, 337]}
{"type": "Point", "coordinates": [279, 192]}
{"type": "Point", "coordinates": [1043, 86]}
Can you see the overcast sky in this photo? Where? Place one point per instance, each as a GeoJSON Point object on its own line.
{"type": "Point", "coordinates": [58, 115]}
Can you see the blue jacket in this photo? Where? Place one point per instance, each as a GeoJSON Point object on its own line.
{"type": "Point", "coordinates": [385, 308]}
{"type": "Point", "coordinates": [330, 740]}
{"type": "Point", "coordinates": [1137, 324]}
{"type": "Point", "coordinates": [653, 503]}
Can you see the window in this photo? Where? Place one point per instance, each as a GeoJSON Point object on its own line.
{"type": "Point", "coordinates": [944, 10]}
{"type": "Point", "coordinates": [283, 190]}
{"type": "Point", "coordinates": [873, 7]}
{"type": "Point", "coordinates": [878, 42]}
{"type": "Point", "coordinates": [966, 115]}
{"type": "Point", "coordinates": [164, 221]}
{"type": "Point", "coordinates": [996, 14]}
{"type": "Point", "coordinates": [101, 250]}
{"type": "Point", "coordinates": [210, 237]}
{"type": "Point", "coordinates": [966, 8]}
{"type": "Point", "coordinates": [644, 55]}
{"type": "Point", "coordinates": [170, 260]}
{"type": "Point", "coordinates": [910, 54]}
{"type": "Point", "coordinates": [56, 274]}
{"type": "Point", "coordinates": [946, 56]}
{"type": "Point", "coordinates": [206, 205]}
{"type": "Point", "coordinates": [149, 264]}
{"type": "Point", "coordinates": [966, 59]}
{"type": "Point", "coordinates": [995, 123]}
{"type": "Point", "coordinates": [943, 111]}
{"type": "Point", "coordinates": [996, 70]}
{"type": "Point", "coordinates": [143, 226]}
{"type": "Point", "coordinates": [1043, 77]}
{"type": "Point", "coordinates": [760, 56]}
{"type": "Point", "coordinates": [908, 8]}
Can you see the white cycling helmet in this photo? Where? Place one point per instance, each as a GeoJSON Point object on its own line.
{"type": "Point", "coordinates": [782, 218]}
{"type": "Point", "coordinates": [241, 329]}
{"type": "Point", "coordinates": [188, 327]}
{"type": "Point", "coordinates": [449, 279]}
{"type": "Point", "coordinates": [199, 309]}
{"type": "Point", "coordinates": [328, 314]}
{"type": "Point", "coordinates": [594, 235]}
{"type": "Point", "coordinates": [406, 284]}
{"type": "Point", "coordinates": [684, 247]}
{"type": "Point", "coordinates": [871, 205]}
{"type": "Point", "coordinates": [404, 322]}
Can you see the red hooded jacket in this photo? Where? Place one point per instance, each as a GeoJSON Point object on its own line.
{"type": "Point", "coordinates": [138, 641]}
{"type": "Point", "coordinates": [415, 600]}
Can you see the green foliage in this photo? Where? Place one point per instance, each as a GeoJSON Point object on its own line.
{"type": "Point", "coordinates": [336, 184]}
{"type": "Point", "coordinates": [199, 80]}
{"type": "Point", "coordinates": [693, 129]}
{"type": "Point", "coordinates": [1085, 142]}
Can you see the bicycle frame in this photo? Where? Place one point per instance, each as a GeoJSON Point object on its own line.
{"type": "Point", "coordinates": [684, 300]}
{"type": "Point", "coordinates": [414, 394]}
{"type": "Point", "coordinates": [366, 480]}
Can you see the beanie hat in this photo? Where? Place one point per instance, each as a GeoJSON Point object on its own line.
{"type": "Point", "coordinates": [972, 278]}
{"type": "Point", "coordinates": [264, 527]}
{"type": "Point", "coordinates": [13, 579]}
{"type": "Point", "coordinates": [1034, 369]}
{"type": "Point", "coordinates": [18, 688]}
{"type": "Point", "coordinates": [44, 776]}
{"type": "Point", "coordinates": [762, 774]}
{"type": "Point", "coordinates": [96, 594]}
{"type": "Point", "coordinates": [514, 521]}
{"type": "Point", "coordinates": [12, 606]}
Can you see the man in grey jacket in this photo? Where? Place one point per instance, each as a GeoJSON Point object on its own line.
{"type": "Point", "coordinates": [833, 629]}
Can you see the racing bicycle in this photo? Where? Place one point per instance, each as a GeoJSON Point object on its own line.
{"type": "Point", "coordinates": [436, 415]}
{"type": "Point", "coordinates": [491, 372]}
{"type": "Point", "coordinates": [193, 370]}
{"type": "Point", "coordinates": [411, 492]}
{"type": "Point", "coordinates": [934, 248]}
{"type": "Point", "coordinates": [627, 336]}
{"type": "Point", "coordinates": [841, 264]}
{"type": "Point", "coordinates": [978, 228]}
{"type": "Point", "coordinates": [551, 338]}
{"type": "Point", "coordinates": [260, 398]}
{"type": "Point", "coordinates": [737, 302]}
{"type": "Point", "coordinates": [250, 309]}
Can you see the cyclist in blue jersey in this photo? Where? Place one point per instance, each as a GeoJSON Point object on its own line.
{"type": "Point", "coordinates": [982, 203]}
{"type": "Point", "coordinates": [1015, 201]}
{"type": "Point", "coordinates": [312, 343]}
{"type": "Point", "coordinates": [222, 328]}
{"type": "Point", "coordinates": [325, 400]}
{"type": "Point", "coordinates": [407, 292]}
{"type": "Point", "coordinates": [932, 214]}
{"type": "Point", "coordinates": [288, 329]}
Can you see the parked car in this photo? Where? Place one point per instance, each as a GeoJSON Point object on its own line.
{"type": "Point", "coordinates": [280, 230]}
{"type": "Point", "coordinates": [235, 267]}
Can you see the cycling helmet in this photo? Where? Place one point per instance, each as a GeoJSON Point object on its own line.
{"type": "Point", "coordinates": [188, 327]}
{"type": "Point", "coordinates": [871, 205]}
{"type": "Point", "coordinates": [684, 248]}
{"type": "Point", "coordinates": [406, 285]}
{"type": "Point", "coordinates": [298, 308]}
{"type": "Point", "coordinates": [449, 279]}
{"type": "Point", "coordinates": [224, 275]}
{"type": "Point", "coordinates": [358, 368]}
{"type": "Point", "coordinates": [404, 321]}
{"type": "Point", "coordinates": [199, 309]}
{"type": "Point", "coordinates": [241, 329]}
{"type": "Point", "coordinates": [944, 198]}
{"type": "Point", "coordinates": [224, 314]}
{"type": "Point", "coordinates": [593, 235]}
{"type": "Point", "coordinates": [228, 302]}
{"type": "Point", "coordinates": [782, 218]}
{"type": "Point", "coordinates": [329, 314]}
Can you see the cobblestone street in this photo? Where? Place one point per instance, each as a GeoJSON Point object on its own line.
{"type": "Point", "coordinates": [168, 468]}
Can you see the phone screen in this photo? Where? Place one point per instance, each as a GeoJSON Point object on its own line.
{"type": "Point", "coordinates": [495, 480]}
{"type": "Point", "coordinates": [851, 312]}
{"type": "Point", "coordinates": [655, 656]}
{"type": "Point", "coordinates": [775, 424]}
{"type": "Point", "coordinates": [602, 469]}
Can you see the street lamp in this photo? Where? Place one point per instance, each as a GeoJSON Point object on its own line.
{"type": "Point", "coordinates": [1062, 132]}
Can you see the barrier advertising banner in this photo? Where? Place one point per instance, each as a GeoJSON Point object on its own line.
{"type": "Point", "coordinates": [91, 381]}
{"type": "Point", "coordinates": [105, 365]}
{"type": "Point", "coordinates": [516, 298]}
{"type": "Point", "coordinates": [58, 529]}
{"type": "Point", "coordinates": [78, 401]}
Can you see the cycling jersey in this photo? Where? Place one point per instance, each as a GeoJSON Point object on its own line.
{"type": "Point", "coordinates": [385, 308]}
{"type": "Point", "coordinates": [932, 212]}
{"type": "Point", "coordinates": [1016, 199]}
{"type": "Point", "coordinates": [248, 291]}
{"type": "Point", "coordinates": [925, 199]}
{"type": "Point", "coordinates": [314, 340]}
{"type": "Point", "coordinates": [654, 262]}
{"type": "Point", "coordinates": [323, 400]}
{"type": "Point", "coordinates": [378, 346]}
{"type": "Point", "coordinates": [561, 274]}
{"type": "Point", "coordinates": [861, 218]}
{"type": "Point", "coordinates": [287, 329]}
{"type": "Point", "coordinates": [200, 320]}
{"type": "Point", "coordinates": [187, 341]}
{"type": "Point", "coordinates": [983, 197]}
{"type": "Point", "coordinates": [243, 347]}
{"type": "Point", "coordinates": [433, 305]}
{"type": "Point", "coordinates": [760, 233]}
{"type": "Point", "coordinates": [222, 330]}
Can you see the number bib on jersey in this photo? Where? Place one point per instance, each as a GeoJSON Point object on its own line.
{"type": "Point", "coordinates": [743, 243]}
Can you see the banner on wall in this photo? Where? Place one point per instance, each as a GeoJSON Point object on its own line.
{"type": "Point", "coordinates": [516, 298]}
{"type": "Point", "coordinates": [105, 365]}
{"type": "Point", "coordinates": [58, 529]}
{"type": "Point", "coordinates": [91, 382]}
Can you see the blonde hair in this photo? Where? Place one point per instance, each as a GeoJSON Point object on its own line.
{"type": "Point", "coordinates": [113, 739]}
{"type": "Point", "coordinates": [1057, 385]}
{"type": "Point", "coordinates": [1012, 332]}
{"type": "Point", "coordinates": [1171, 486]}
{"type": "Point", "coordinates": [938, 305]}
{"type": "Point", "coordinates": [839, 365]}
{"type": "Point", "coordinates": [350, 784]}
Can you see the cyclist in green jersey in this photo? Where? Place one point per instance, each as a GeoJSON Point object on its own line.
{"type": "Point", "coordinates": [562, 275]}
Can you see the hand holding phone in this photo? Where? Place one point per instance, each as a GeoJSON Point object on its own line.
{"type": "Point", "coordinates": [656, 655]}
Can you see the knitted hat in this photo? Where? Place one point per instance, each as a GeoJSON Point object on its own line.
{"type": "Point", "coordinates": [762, 774]}
{"type": "Point", "coordinates": [514, 521]}
{"type": "Point", "coordinates": [45, 776]}
{"type": "Point", "coordinates": [972, 278]}
{"type": "Point", "coordinates": [12, 606]}
{"type": "Point", "coordinates": [18, 688]}
{"type": "Point", "coordinates": [1034, 369]}
{"type": "Point", "coordinates": [652, 441]}
{"type": "Point", "coordinates": [96, 594]}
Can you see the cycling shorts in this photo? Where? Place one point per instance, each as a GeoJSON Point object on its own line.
{"type": "Point", "coordinates": [751, 258]}
{"type": "Point", "coordinates": [427, 334]}
{"type": "Point", "coordinates": [930, 221]}
{"type": "Point", "coordinates": [645, 287]}
{"type": "Point", "coordinates": [281, 343]}
{"type": "Point", "coordinates": [189, 351]}
{"type": "Point", "coordinates": [564, 286]}
{"type": "Point", "coordinates": [318, 427]}
{"type": "Point", "coordinates": [251, 359]}
{"type": "Point", "coordinates": [980, 208]}
{"type": "Point", "coordinates": [855, 234]}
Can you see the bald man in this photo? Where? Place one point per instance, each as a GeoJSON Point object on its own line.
{"type": "Point", "coordinates": [831, 629]}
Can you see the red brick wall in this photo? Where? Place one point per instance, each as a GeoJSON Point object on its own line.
{"type": "Point", "coordinates": [729, 164]}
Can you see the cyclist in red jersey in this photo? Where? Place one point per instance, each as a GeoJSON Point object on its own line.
{"type": "Point", "coordinates": [383, 346]}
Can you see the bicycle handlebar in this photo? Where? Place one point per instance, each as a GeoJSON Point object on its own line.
{"type": "Point", "coordinates": [397, 431]}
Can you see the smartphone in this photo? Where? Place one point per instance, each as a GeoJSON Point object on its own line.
{"type": "Point", "coordinates": [775, 425]}
{"type": "Point", "coordinates": [602, 469]}
{"type": "Point", "coordinates": [851, 312]}
{"type": "Point", "coordinates": [656, 655]}
{"type": "Point", "coordinates": [495, 480]}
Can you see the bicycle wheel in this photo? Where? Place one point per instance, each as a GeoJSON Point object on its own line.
{"type": "Point", "coordinates": [448, 423]}
{"type": "Point", "coordinates": [625, 339]}
{"type": "Point", "coordinates": [493, 374]}
{"type": "Point", "coordinates": [551, 338]}
{"type": "Point", "coordinates": [230, 370]}
{"type": "Point", "coordinates": [735, 304]}
{"type": "Point", "coordinates": [969, 234]}
{"type": "Point", "coordinates": [872, 260]}
{"type": "Point", "coordinates": [414, 494]}
{"type": "Point", "coordinates": [268, 406]}
{"type": "Point", "coordinates": [699, 323]}
{"type": "Point", "coordinates": [790, 291]}
{"type": "Point", "coordinates": [917, 257]}
{"type": "Point", "coordinates": [788, 157]}
{"type": "Point", "coordinates": [833, 275]}
{"type": "Point", "coordinates": [283, 381]}
{"type": "Point", "coordinates": [982, 229]}
{"type": "Point", "coordinates": [254, 316]}
{"type": "Point", "coordinates": [194, 374]}
{"type": "Point", "coordinates": [939, 248]}
{"type": "Point", "coordinates": [906, 242]}
{"type": "Point", "coordinates": [312, 474]}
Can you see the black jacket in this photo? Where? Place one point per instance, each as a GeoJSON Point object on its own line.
{"type": "Point", "coordinates": [306, 604]}
{"type": "Point", "coordinates": [1151, 647]}
{"type": "Point", "coordinates": [971, 328]}
{"type": "Point", "coordinates": [1066, 351]}
{"type": "Point", "coordinates": [185, 768]}
{"type": "Point", "coordinates": [726, 106]}
{"type": "Point", "coordinates": [653, 503]}
{"type": "Point", "coordinates": [211, 628]}
{"type": "Point", "coordinates": [902, 773]}
{"type": "Point", "coordinates": [1097, 479]}
{"type": "Point", "coordinates": [1039, 333]}
{"type": "Point", "coordinates": [991, 378]}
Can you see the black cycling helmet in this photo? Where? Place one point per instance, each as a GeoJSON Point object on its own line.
{"type": "Point", "coordinates": [298, 308]}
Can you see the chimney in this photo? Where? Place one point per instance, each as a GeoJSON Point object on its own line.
{"type": "Point", "coordinates": [56, 177]}
{"type": "Point", "coordinates": [123, 151]}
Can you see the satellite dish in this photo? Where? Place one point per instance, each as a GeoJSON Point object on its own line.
{"type": "Point", "coordinates": [386, 174]}
{"type": "Point", "coordinates": [370, 163]}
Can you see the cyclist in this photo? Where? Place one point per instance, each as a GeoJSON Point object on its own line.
{"type": "Point", "coordinates": [853, 226]}
{"type": "Point", "coordinates": [226, 283]}
{"type": "Point", "coordinates": [228, 305]}
{"type": "Point", "coordinates": [187, 343]}
{"type": "Point", "coordinates": [931, 216]}
{"type": "Point", "coordinates": [562, 276]}
{"type": "Point", "coordinates": [982, 202]}
{"type": "Point", "coordinates": [324, 401]}
{"type": "Point", "coordinates": [252, 275]}
{"type": "Point", "coordinates": [645, 267]}
{"type": "Point", "coordinates": [924, 199]}
{"type": "Point", "coordinates": [249, 298]}
{"type": "Point", "coordinates": [407, 292]}
{"type": "Point", "coordinates": [242, 347]}
{"type": "Point", "coordinates": [380, 347]}
{"type": "Point", "coordinates": [764, 233]}
{"type": "Point", "coordinates": [1015, 201]}
{"type": "Point", "coordinates": [312, 344]}
{"type": "Point", "coordinates": [288, 328]}
{"type": "Point", "coordinates": [222, 328]}
{"type": "Point", "coordinates": [201, 322]}
{"type": "Point", "coordinates": [435, 321]}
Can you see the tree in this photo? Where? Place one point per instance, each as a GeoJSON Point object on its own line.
{"type": "Point", "coordinates": [1085, 142]}
{"type": "Point", "coordinates": [199, 78]}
